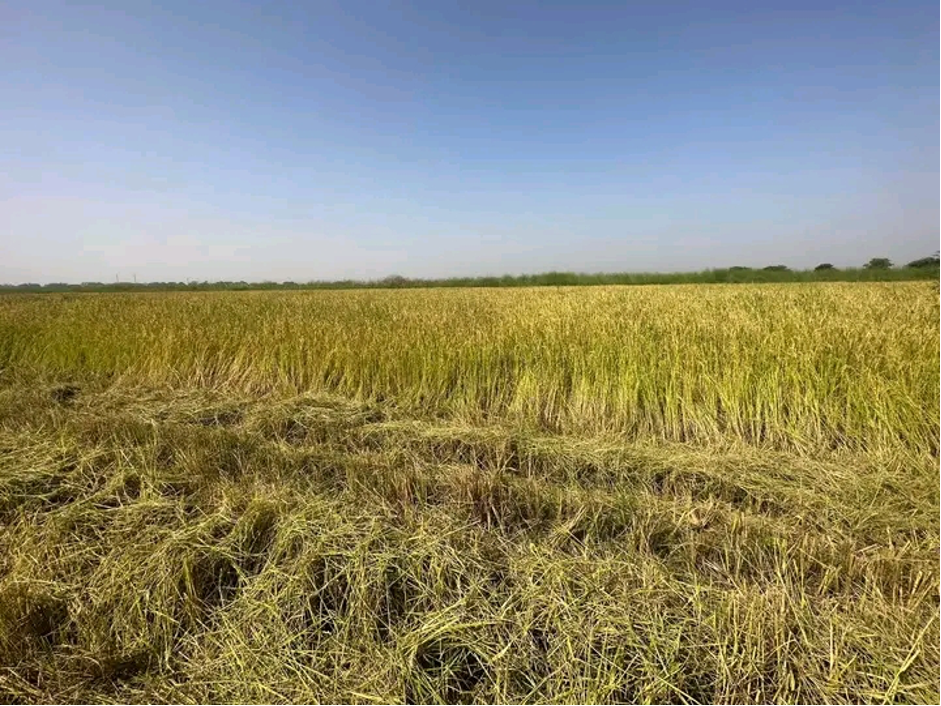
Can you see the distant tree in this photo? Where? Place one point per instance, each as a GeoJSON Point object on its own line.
{"type": "Point", "coordinates": [878, 263]}
{"type": "Point", "coordinates": [395, 281]}
{"type": "Point", "coordinates": [937, 283]}
{"type": "Point", "coordinates": [933, 261]}
{"type": "Point", "coordinates": [824, 266]}
{"type": "Point", "coordinates": [776, 268]}
{"type": "Point", "coordinates": [738, 268]}
{"type": "Point", "coordinates": [557, 279]}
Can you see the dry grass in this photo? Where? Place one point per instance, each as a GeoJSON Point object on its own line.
{"type": "Point", "coordinates": [687, 495]}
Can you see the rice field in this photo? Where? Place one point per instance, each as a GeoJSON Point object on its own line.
{"type": "Point", "coordinates": [685, 493]}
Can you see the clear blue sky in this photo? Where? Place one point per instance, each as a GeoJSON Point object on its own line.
{"type": "Point", "coordinates": [268, 140]}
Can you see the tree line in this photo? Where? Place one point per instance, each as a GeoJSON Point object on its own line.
{"type": "Point", "coordinates": [877, 269]}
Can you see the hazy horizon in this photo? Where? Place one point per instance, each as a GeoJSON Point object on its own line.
{"type": "Point", "coordinates": [132, 279]}
{"type": "Point", "coordinates": [332, 141]}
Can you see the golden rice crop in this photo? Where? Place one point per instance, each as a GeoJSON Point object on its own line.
{"type": "Point", "coordinates": [686, 494]}
{"type": "Point", "coordinates": [803, 366]}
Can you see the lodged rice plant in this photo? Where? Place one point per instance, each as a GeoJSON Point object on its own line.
{"type": "Point", "coordinates": [687, 494]}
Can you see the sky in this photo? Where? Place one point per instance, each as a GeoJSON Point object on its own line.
{"type": "Point", "coordinates": [330, 140]}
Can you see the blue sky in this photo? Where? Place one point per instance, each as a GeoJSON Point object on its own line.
{"type": "Point", "coordinates": [228, 140]}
